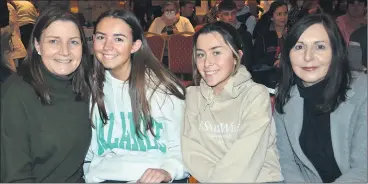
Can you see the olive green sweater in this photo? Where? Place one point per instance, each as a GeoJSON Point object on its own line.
{"type": "Point", "coordinates": [42, 143]}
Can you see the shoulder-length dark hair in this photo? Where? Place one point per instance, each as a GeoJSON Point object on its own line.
{"type": "Point", "coordinates": [31, 67]}
{"type": "Point", "coordinates": [338, 76]}
{"type": "Point", "coordinates": [231, 38]}
{"type": "Point", "coordinates": [266, 19]}
{"type": "Point", "coordinates": [146, 71]}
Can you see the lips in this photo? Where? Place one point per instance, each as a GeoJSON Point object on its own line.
{"type": "Point", "coordinates": [63, 60]}
{"type": "Point", "coordinates": [109, 56]}
{"type": "Point", "coordinates": [309, 68]}
{"type": "Point", "coordinates": [212, 72]}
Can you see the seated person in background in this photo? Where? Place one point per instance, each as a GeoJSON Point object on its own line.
{"type": "Point", "coordinates": [170, 22]}
{"type": "Point", "coordinates": [187, 10]}
{"type": "Point", "coordinates": [227, 13]}
{"type": "Point", "coordinates": [244, 16]}
{"type": "Point", "coordinates": [355, 17]}
{"type": "Point", "coordinates": [321, 107]}
{"type": "Point", "coordinates": [357, 49]}
{"type": "Point", "coordinates": [229, 134]}
{"type": "Point", "coordinates": [268, 34]}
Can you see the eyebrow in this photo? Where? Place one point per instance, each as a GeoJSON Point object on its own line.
{"type": "Point", "coordinates": [213, 48]}
{"type": "Point", "coordinates": [313, 42]}
{"type": "Point", "coordinates": [116, 34]}
{"type": "Point", "coordinates": [59, 37]}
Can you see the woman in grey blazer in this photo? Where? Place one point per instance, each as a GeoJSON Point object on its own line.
{"type": "Point", "coordinates": [321, 107]}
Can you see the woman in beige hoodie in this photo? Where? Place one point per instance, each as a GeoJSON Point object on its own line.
{"type": "Point", "coordinates": [229, 133]}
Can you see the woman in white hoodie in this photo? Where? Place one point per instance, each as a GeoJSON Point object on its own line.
{"type": "Point", "coordinates": [229, 133]}
{"type": "Point", "coordinates": [137, 108]}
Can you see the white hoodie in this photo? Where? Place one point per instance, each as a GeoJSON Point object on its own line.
{"type": "Point", "coordinates": [116, 153]}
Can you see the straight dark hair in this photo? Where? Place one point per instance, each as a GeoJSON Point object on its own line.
{"type": "Point", "coordinates": [339, 75]}
{"type": "Point", "coordinates": [231, 38]}
{"type": "Point", "coordinates": [146, 71]}
{"type": "Point", "coordinates": [30, 69]}
{"type": "Point", "coordinates": [265, 21]}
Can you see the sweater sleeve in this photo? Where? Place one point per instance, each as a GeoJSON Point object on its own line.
{"type": "Point", "coordinates": [188, 27]}
{"type": "Point", "coordinates": [153, 27]}
{"type": "Point", "coordinates": [197, 159]}
{"type": "Point", "coordinates": [358, 152]}
{"type": "Point", "coordinates": [16, 161]}
{"type": "Point", "coordinates": [256, 131]}
{"type": "Point", "coordinates": [173, 111]}
{"type": "Point", "coordinates": [289, 168]}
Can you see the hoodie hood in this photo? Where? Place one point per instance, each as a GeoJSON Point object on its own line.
{"type": "Point", "coordinates": [234, 87]}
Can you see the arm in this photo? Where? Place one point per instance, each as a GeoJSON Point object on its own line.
{"type": "Point", "coordinates": [197, 159]}
{"type": "Point", "coordinates": [153, 26]}
{"type": "Point", "coordinates": [290, 170]}
{"type": "Point", "coordinates": [173, 111]}
{"type": "Point", "coordinates": [251, 23]}
{"type": "Point", "coordinates": [243, 164]}
{"type": "Point", "coordinates": [259, 52]}
{"type": "Point", "coordinates": [188, 27]}
{"type": "Point", "coordinates": [358, 150]}
{"type": "Point", "coordinates": [16, 161]}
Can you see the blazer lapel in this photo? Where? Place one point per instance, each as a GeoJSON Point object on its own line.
{"type": "Point", "coordinates": [340, 122]}
{"type": "Point", "coordinates": [294, 123]}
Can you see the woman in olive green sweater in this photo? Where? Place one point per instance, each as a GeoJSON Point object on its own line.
{"type": "Point", "coordinates": [45, 128]}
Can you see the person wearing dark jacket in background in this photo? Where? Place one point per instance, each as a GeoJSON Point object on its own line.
{"type": "Point", "coordinates": [45, 126]}
{"type": "Point", "coordinates": [5, 37]}
{"type": "Point", "coordinates": [227, 10]}
{"type": "Point", "coordinates": [269, 33]}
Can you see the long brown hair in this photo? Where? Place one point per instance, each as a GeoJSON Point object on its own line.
{"type": "Point", "coordinates": [146, 71]}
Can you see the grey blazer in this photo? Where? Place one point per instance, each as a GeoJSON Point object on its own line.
{"type": "Point", "coordinates": [348, 133]}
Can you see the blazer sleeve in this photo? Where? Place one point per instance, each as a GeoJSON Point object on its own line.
{"type": "Point", "coordinates": [358, 150]}
{"type": "Point", "coordinates": [16, 160]}
{"type": "Point", "coordinates": [290, 170]}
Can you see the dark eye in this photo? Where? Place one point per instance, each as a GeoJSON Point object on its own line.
{"type": "Point", "coordinates": [99, 37]}
{"type": "Point", "coordinates": [321, 47]}
{"type": "Point", "coordinates": [52, 41]}
{"type": "Point", "coordinates": [118, 39]}
{"type": "Point", "coordinates": [74, 42]}
{"type": "Point", "coordinates": [199, 55]}
{"type": "Point", "coordinates": [298, 47]}
{"type": "Point", "coordinates": [216, 53]}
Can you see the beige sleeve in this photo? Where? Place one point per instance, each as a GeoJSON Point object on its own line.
{"type": "Point", "coordinates": [198, 160]}
{"type": "Point", "coordinates": [188, 27]}
{"type": "Point", "coordinates": [245, 159]}
{"type": "Point", "coordinates": [153, 27]}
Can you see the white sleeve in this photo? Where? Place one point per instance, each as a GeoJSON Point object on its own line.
{"type": "Point", "coordinates": [172, 115]}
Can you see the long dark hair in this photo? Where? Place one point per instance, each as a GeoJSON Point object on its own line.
{"type": "Point", "coordinates": [338, 77]}
{"type": "Point", "coordinates": [265, 21]}
{"type": "Point", "coordinates": [146, 71]}
{"type": "Point", "coordinates": [231, 38]}
{"type": "Point", "coordinates": [31, 66]}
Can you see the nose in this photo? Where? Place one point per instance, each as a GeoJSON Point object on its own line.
{"type": "Point", "coordinates": [64, 50]}
{"type": "Point", "coordinates": [207, 61]}
{"type": "Point", "coordinates": [308, 55]}
{"type": "Point", "coordinates": [108, 45]}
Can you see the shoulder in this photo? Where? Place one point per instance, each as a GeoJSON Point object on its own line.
{"type": "Point", "coordinates": [15, 88]}
{"type": "Point", "coordinates": [184, 19]}
{"type": "Point", "coordinates": [255, 92]}
{"type": "Point", "coordinates": [192, 93]}
{"type": "Point", "coordinates": [359, 86]}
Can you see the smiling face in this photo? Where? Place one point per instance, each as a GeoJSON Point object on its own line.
{"type": "Point", "coordinates": [280, 16]}
{"type": "Point", "coordinates": [60, 47]}
{"type": "Point", "coordinates": [312, 54]}
{"type": "Point", "coordinates": [215, 60]}
{"type": "Point", "coordinates": [113, 45]}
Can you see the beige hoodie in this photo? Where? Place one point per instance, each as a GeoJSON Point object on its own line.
{"type": "Point", "coordinates": [230, 137]}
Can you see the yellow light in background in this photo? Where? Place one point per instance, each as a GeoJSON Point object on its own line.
{"type": "Point", "coordinates": [74, 6]}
